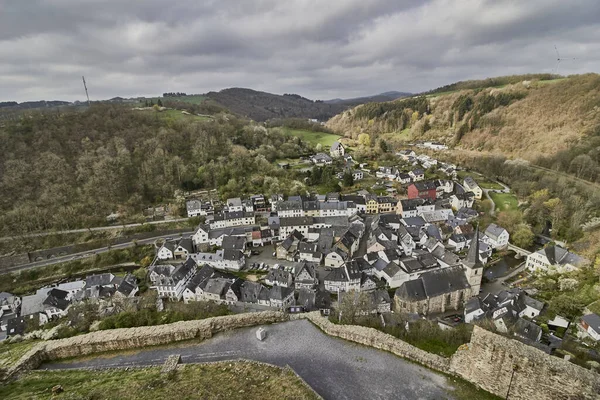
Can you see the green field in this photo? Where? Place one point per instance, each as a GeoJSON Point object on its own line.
{"type": "Point", "coordinates": [222, 380]}
{"type": "Point", "coordinates": [192, 99]}
{"type": "Point", "coordinates": [177, 115]}
{"type": "Point", "coordinates": [504, 201]}
{"type": "Point", "coordinates": [314, 138]}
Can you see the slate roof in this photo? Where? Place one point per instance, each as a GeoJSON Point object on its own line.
{"type": "Point", "coordinates": [469, 181]}
{"type": "Point", "coordinates": [296, 221]}
{"type": "Point", "coordinates": [493, 231]}
{"type": "Point", "coordinates": [527, 329]}
{"type": "Point", "coordinates": [57, 298]}
{"type": "Point", "coordinates": [100, 279]}
{"type": "Point", "coordinates": [183, 270]}
{"type": "Point", "coordinates": [391, 269]}
{"type": "Point", "coordinates": [593, 320]}
{"type": "Point", "coordinates": [306, 298]}
{"type": "Point", "coordinates": [200, 276]}
{"type": "Point", "coordinates": [217, 286]}
{"type": "Point", "coordinates": [558, 256]}
{"type": "Point", "coordinates": [280, 292]}
{"type": "Point", "coordinates": [126, 287]}
{"type": "Point", "coordinates": [412, 291]}
{"type": "Point", "coordinates": [187, 244]}
{"type": "Point", "coordinates": [472, 260]}
{"type": "Point", "coordinates": [304, 247]}
{"type": "Point", "coordinates": [234, 242]}
{"type": "Point", "coordinates": [434, 283]}
{"type": "Point", "coordinates": [424, 185]}
{"type": "Point", "coordinates": [279, 276]}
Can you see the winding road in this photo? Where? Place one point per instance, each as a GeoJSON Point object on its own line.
{"type": "Point", "coordinates": [334, 368]}
{"type": "Point", "coordinates": [89, 253]}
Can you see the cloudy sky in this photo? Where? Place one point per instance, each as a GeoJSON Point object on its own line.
{"type": "Point", "coordinates": [319, 49]}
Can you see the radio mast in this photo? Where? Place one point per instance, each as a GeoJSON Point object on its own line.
{"type": "Point", "coordinates": [86, 92]}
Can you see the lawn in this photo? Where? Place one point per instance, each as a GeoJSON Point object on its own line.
{"type": "Point", "coordinates": [504, 201]}
{"type": "Point", "coordinates": [490, 185]}
{"type": "Point", "coordinates": [223, 380]}
{"type": "Point", "coordinates": [314, 138]}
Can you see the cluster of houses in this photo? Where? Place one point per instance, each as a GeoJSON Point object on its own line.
{"type": "Point", "coordinates": [19, 313]}
{"type": "Point", "coordinates": [508, 310]}
{"type": "Point", "coordinates": [411, 245]}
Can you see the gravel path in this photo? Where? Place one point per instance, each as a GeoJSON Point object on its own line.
{"type": "Point", "coordinates": [335, 368]}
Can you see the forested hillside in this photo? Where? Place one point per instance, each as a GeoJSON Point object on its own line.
{"type": "Point", "coordinates": [555, 123]}
{"type": "Point", "coordinates": [71, 170]}
{"type": "Point", "coordinates": [261, 106]}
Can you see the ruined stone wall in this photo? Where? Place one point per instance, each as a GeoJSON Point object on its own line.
{"type": "Point", "coordinates": [489, 360]}
{"type": "Point", "coordinates": [129, 338]}
{"type": "Point", "coordinates": [374, 338]}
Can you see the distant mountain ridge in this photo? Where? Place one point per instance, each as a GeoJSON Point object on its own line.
{"type": "Point", "coordinates": [32, 104]}
{"type": "Point", "coordinates": [261, 106]}
{"type": "Point", "coordinates": [386, 96]}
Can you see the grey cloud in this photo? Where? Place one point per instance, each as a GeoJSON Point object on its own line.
{"type": "Point", "coordinates": [314, 48]}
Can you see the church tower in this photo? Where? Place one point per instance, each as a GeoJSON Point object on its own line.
{"type": "Point", "coordinates": [473, 266]}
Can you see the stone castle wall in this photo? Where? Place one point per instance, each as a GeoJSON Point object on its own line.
{"type": "Point", "coordinates": [129, 338]}
{"type": "Point", "coordinates": [489, 360]}
{"type": "Point", "coordinates": [374, 338]}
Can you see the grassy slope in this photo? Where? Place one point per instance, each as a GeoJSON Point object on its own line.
{"type": "Point", "coordinates": [314, 138]}
{"type": "Point", "coordinates": [10, 353]}
{"type": "Point", "coordinates": [504, 201]}
{"type": "Point", "coordinates": [225, 380]}
{"type": "Point", "coordinates": [551, 116]}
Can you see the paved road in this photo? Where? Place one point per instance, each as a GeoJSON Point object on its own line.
{"type": "Point", "coordinates": [89, 253]}
{"type": "Point", "coordinates": [98, 228]}
{"type": "Point", "coordinates": [335, 368]}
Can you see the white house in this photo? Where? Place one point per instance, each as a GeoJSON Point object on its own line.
{"type": "Point", "coordinates": [234, 204]}
{"type": "Point", "coordinates": [201, 236]}
{"type": "Point", "coordinates": [229, 219]}
{"type": "Point", "coordinates": [335, 259]}
{"type": "Point", "coordinates": [556, 256]}
{"type": "Point", "coordinates": [170, 281]}
{"type": "Point", "coordinates": [320, 159]}
{"type": "Point", "coordinates": [167, 250]}
{"type": "Point", "coordinates": [472, 186]}
{"type": "Point", "coordinates": [589, 326]}
{"type": "Point", "coordinates": [496, 236]}
{"type": "Point", "coordinates": [222, 259]}
{"type": "Point", "coordinates": [337, 150]}
{"type": "Point", "coordinates": [196, 208]}
{"type": "Point", "coordinates": [462, 200]}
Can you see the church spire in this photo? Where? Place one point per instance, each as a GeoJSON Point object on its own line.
{"type": "Point", "coordinates": [472, 260]}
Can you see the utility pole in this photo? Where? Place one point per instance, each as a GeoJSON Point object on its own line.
{"type": "Point", "coordinates": [86, 91]}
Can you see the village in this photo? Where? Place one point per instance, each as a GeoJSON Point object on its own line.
{"type": "Point", "coordinates": [422, 256]}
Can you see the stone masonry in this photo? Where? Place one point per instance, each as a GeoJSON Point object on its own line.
{"type": "Point", "coordinates": [489, 360]}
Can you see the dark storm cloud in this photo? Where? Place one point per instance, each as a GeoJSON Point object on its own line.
{"type": "Point", "coordinates": [314, 48]}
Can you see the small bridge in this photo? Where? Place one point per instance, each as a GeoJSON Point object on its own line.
{"type": "Point", "coordinates": [520, 252]}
